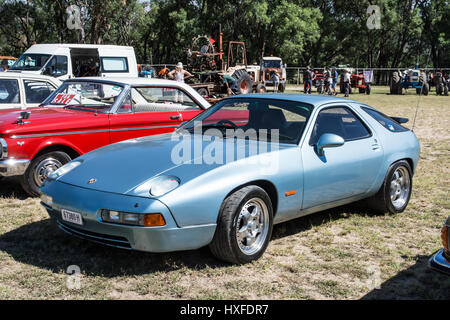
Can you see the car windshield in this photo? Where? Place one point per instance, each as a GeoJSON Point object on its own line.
{"type": "Point", "coordinates": [272, 63]}
{"type": "Point", "coordinates": [86, 96]}
{"type": "Point", "coordinates": [31, 61]}
{"type": "Point", "coordinates": [253, 118]}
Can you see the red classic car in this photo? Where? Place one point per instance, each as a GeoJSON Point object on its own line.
{"type": "Point", "coordinates": [85, 114]}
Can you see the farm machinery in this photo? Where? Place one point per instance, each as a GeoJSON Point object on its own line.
{"type": "Point", "coordinates": [411, 78]}
{"type": "Point", "coordinates": [361, 81]}
{"type": "Point", "coordinates": [441, 82]}
{"type": "Point", "coordinates": [208, 64]}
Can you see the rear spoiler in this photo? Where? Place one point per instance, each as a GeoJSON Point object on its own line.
{"type": "Point", "coordinates": [400, 120]}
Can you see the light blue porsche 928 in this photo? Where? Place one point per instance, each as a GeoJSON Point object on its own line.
{"type": "Point", "coordinates": [227, 176]}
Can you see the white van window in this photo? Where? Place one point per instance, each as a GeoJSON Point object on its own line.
{"type": "Point", "coordinates": [31, 61]}
{"type": "Point", "coordinates": [57, 66]}
{"type": "Point", "coordinates": [9, 91]}
{"type": "Point", "coordinates": [114, 64]}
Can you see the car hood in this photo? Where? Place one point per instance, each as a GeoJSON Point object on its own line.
{"type": "Point", "coordinates": [42, 119]}
{"type": "Point", "coordinates": [129, 166]}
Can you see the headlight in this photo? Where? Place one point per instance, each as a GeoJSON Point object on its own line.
{"type": "Point", "coordinates": [64, 169]}
{"type": "Point", "coordinates": [134, 219]}
{"type": "Point", "coordinates": [163, 184]}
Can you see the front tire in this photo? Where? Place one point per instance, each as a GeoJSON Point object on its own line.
{"type": "Point", "coordinates": [244, 226]}
{"type": "Point", "coordinates": [39, 169]}
{"type": "Point", "coordinates": [395, 192]}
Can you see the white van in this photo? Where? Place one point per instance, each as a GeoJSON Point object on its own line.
{"type": "Point", "coordinates": [65, 61]}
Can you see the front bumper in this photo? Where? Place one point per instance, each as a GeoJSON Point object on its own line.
{"type": "Point", "coordinates": [439, 262]}
{"type": "Point", "coordinates": [89, 203]}
{"type": "Point", "coordinates": [13, 167]}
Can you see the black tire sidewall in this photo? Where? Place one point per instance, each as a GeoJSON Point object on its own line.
{"type": "Point", "coordinates": [28, 182]}
{"type": "Point", "coordinates": [255, 192]}
{"type": "Point", "coordinates": [387, 186]}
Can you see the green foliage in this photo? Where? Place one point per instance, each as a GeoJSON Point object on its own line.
{"type": "Point", "coordinates": [315, 32]}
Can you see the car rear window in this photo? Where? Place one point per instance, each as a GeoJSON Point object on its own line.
{"type": "Point", "coordinates": [385, 120]}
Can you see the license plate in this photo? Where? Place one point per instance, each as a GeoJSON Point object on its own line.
{"type": "Point", "coordinates": [71, 216]}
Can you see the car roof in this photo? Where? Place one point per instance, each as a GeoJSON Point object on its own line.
{"type": "Point", "coordinates": [315, 100]}
{"type": "Point", "coordinates": [138, 81]}
{"type": "Point", "coordinates": [133, 81]}
{"type": "Point", "coordinates": [18, 75]}
{"type": "Point", "coordinates": [50, 46]}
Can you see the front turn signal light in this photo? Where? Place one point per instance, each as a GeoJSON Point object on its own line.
{"type": "Point", "coordinates": [154, 220]}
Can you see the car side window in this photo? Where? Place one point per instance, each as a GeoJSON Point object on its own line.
{"type": "Point", "coordinates": [162, 99]}
{"type": "Point", "coordinates": [385, 121]}
{"type": "Point", "coordinates": [9, 91]}
{"type": "Point", "coordinates": [340, 121]}
{"type": "Point", "coordinates": [37, 91]}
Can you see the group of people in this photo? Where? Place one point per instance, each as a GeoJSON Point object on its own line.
{"type": "Point", "coordinates": [330, 79]}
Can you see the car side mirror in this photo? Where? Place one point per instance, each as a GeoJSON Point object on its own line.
{"type": "Point", "coordinates": [329, 140]}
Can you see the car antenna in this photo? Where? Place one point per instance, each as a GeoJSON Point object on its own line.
{"type": "Point", "coordinates": [420, 94]}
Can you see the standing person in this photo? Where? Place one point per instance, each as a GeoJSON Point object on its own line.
{"type": "Point", "coordinates": [334, 76]}
{"type": "Point", "coordinates": [328, 80]}
{"type": "Point", "coordinates": [276, 80]}
{"type": "Point", "coordinates": [308, 75]}
{"type": "Point", "coordinates": [347, 82]}
{"type": "Point", "coordinates": [179, 74]}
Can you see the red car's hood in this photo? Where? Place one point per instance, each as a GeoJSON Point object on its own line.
{"type": "Point", "coordinates": [45, 120]}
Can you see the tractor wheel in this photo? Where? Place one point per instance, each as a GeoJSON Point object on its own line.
{"type": "Point", "coordinates": [425, 89]}
{"type": "Point", "coordinates": [446, 89]}
{"type": "Point", "coordinates": [361, 90]}
{"type": "Point", "coordinates": [395, 83]}
{"type": "Point", "coordinates": [281, 87]}
{"type": "Point", "coordinates": [368, 89]}
{"type": "Point", "coordinates": [260, 88]}
{"type": "Point", "coordinates": [244, 81]}
{"type": "Point", "coordinates": [203, 92]}
{"type": "Point", "coordinates": [439, 89]}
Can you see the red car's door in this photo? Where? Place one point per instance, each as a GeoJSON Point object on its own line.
{"type": "Point", "coordinates": [150, 111]}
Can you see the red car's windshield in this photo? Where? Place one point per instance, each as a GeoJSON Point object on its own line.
{"type": "Point", "coordinates": [88, 96]}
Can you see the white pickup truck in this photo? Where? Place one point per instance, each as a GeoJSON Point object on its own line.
{"type": "Point", "coordinates": [65, 61]}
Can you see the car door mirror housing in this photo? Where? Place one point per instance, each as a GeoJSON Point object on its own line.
{"type": "Point", "coordinates": [328, 140]}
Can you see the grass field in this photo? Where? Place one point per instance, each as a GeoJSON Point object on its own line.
{"type": "Point", "coordinates": [344, 253]}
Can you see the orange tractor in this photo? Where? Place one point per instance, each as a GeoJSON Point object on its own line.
{"type": "Point", "coordinates": [360, 81]}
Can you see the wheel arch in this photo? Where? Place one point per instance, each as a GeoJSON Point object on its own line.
{"type": "Point", "coordinates": [267, 186]}
{"type": "Point", "coordinates": [58, 147]}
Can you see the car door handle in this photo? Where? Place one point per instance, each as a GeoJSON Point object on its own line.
{"type": "Point", "coordinates": [376, 146]}
{"type": "Point", "coordinates": [178, 117]}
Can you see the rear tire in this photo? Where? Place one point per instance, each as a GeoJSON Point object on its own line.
{"type": "Point", "coordinates": [395, 191]}
{"type": "Point", "coordinates": [203, 92]}
{"type": "Point", "coordinates": [425, 89]}
{"type": "Point", "coordinates": [244, 226]}
{"type": "Point", "coordinates": [260, 88]}
{"type": "Point", "coordinates": [244, 81]}
{"type": "Point", "coordinates": [39, 169]}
